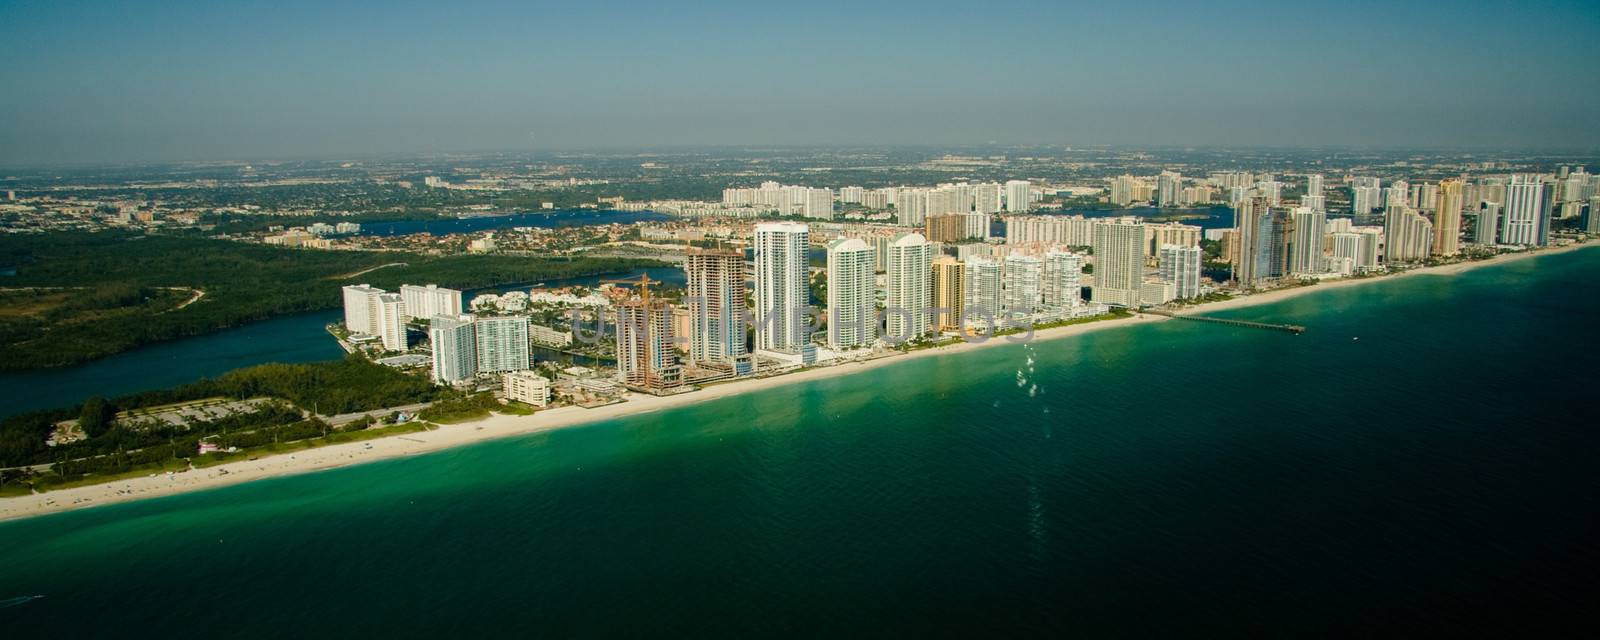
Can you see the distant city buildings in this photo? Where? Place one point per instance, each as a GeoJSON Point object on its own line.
{"type": "Point", "coordinates": [430, 300]}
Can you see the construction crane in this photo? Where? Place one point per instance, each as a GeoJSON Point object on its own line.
{"type": "Point", "coordinates": [642, 281]}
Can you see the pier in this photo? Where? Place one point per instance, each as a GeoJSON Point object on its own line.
{"type": "Point", "coordinates": [1291, 328]}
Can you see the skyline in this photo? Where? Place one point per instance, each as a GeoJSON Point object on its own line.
{"type": "Point", "coordinates": [166, 82]}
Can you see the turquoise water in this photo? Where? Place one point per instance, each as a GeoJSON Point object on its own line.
{"type": "Point", "coordinates": [1437, 474]}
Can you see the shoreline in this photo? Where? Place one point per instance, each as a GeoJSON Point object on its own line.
{"type": "Point", "coordinates": [499, 426]}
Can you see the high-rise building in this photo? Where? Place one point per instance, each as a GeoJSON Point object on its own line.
{"type": "Point", "coordinates": [1169, 189]}
{"type": "Point", "coordinates": [1447, 219]}
{"type": "Point", "coordinates": [391, 321]}
{"type": "Point", "coordinates": [1119, 252]}
{"type": "Point", "coordinates": [502, 343]}
{"type": "Point", "coordinates": [1180, 267]}
{"type": "Point", "coordinates": [1305, 241]}
{"type": "Point", "coordinates": [1122, 188]}
{"type": "Point", "coordinates": [983, 291]}
{"type": "Point", "coordinates": [818, 204]}
{"type": "Point", "coordinates": [361, 309]}
{"type": "Point", "coordinates": [455, 348]}
{"type": "Point", "coordinates": [1525, 218]}
{"type": "Point", "coordinates": [429, 301]}
{"type": "Point", "coordinates": [949, 293]}
{"type": "Point", "coordinates": [1486, 229]}
{"type": "Point", "coordinates": [1063, 280]}
{"type": "Point", "coordinates": [1022, 278]}
{"type": "Point", "coordinates": [645, 356]}
{"type": "Point", "coordinates": [1346, 249]}
{"type": "Point", "coordinates": [1019, 195]}
{"type": "Point", "coordinates": [909, 294]}
{"type": "Point", "coordinates": [1364, 199]}
{"type": "Point", "coordinates": [1591, 220]}
{"type": "Point", "coordinates": [911, 206]}
{"type": "Point", "coordinates": [852, 296]}
{"type": "Point", "coordinates": [986, 198]}
{"type": "Point", "coordinates": [782, 291]}
{"type": "Point", "coordinates": [1408, 236]}
{"type": "Point", "coordinates": [949, 228]}
{"type": "Point", "coordinates": [1253, 228]}
{"type": "Point", "coordinates": [1314, 184]}
{"type": "Point", "coordinates": [716, 299]}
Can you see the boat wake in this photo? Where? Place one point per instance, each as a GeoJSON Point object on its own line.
{"type": "Point", "coordinates": [17, 601]}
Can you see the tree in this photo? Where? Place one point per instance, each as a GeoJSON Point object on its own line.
{"type": "Point", "coordinates": [95, 418]}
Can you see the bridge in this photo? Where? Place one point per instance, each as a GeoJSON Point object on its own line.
{"type": "Point", "coordinates": [1291, 328]}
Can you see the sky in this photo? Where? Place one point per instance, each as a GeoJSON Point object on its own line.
{"type": "Point", "coordinates": [92, 81]}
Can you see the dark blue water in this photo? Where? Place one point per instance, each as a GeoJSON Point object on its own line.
{"type": "Point", "coordinates": [1421, 462]}
{"type": "Point", "coordinates": [543, 220]}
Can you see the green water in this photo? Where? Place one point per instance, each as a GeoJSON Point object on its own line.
{"type": "Point", "coordinates": [1423, 459]}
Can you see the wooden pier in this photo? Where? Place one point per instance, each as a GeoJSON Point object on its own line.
{"type": "Point", "coordinates": [1291, 328]}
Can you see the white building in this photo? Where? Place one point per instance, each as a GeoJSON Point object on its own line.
{"type": "Point", "coordinates": [1119, 263]}
{"type": "Point", "coordinates": [527, 387]}
{"type": "Point", "coordinates": [1019, 195]}
{"type": "Point", "coordinates": [392, 322]}
{"type": "Point", "coordinates": [503, 343]}
{"type": "Point", "coordinates": [983, 291]}
{"type": "Point", "coordinates": [1022, 275]}
{"type": "Point", "coordinates": [361, 309]}
{"type": "Point", "coordinates": [429, 301]}
{"type": "Point", "coordinates": [1524, 220]}
{"type": "Point", "coordinates": [455, 348]}
{"type": "Point", "coordinates": [1063, 280]}
{"type": "Point", "coordinates": [910, 290]}
{"type": "Point", "coordinates": [1180, 267]}
{"type": "Point", "coordinates": [782, 291]}
{"type": "Point", "coordinates": [1305, 251]}
{"type": "Point", "coordinates": [852, 300]}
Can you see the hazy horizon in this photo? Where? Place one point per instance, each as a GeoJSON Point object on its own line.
{"type": "Point", "coordinates": [95, 82]}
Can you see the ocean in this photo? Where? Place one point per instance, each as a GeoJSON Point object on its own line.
{"type": "Point", "coordinates": [1422, 459]}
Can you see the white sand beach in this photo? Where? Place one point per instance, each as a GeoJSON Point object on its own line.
{"type": "Point", "coordinates": [500, 426]}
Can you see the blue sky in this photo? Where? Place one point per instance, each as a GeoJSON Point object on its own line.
{"type": "Point", "coordinates": [89, 81]}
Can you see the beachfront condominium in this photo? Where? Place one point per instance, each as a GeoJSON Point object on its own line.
{"type": "Point", "coordinates": [782, 292]}
{"type": "Point", "coordinates": [716, 300]}
{"type": "Point", "coordinates": [645, 356]}
{"type": "Point", "coordinates": [909, 294]}
{"type": "Point", "coordinates": [1180, 267]}
{"type": "Point", "coordinates": [983, 292]}
{"type": "Point", "coordinates": [361, 309]}
{"type": "Point", "coordinates": [949, 293]}
{"type": "Point", "coordinates": [1486, 229]}
{"type": "Point", "coordinates": [526, 387]}
{"type": "Point", "coordinates": [502, 343]}
{"type": "Point", "coordinates": [1020, 293]}
{"type": "Point", "coordinates": [428, 301]}
{"type": "Point", "coordinates": [1119, 262]}
{"type": "Point", "coordinates": [852, 297]}
{"type": "Point", "coordinates": [986, 198]}
{"type": "Point", "coordinates": [1063, 280]}
{"type": "Point", "coordinates": [455, 348]}
{"type": "Point", "coordinates": [1305, 241]}
{"type": "Point", "coordinates": [391, 321]}
{"type": "Point", "coordinates": [1408, 236]}
{"type": "Point", "coordinates": [1447, 219]}
{"type": "Point", "coordinates": [1525, 219]}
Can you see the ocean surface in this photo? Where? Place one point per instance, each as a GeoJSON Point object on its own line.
{"type": "Point", "coordinates": [300, 337]}
{"type": "Point", "coordinates": [1423, 458]}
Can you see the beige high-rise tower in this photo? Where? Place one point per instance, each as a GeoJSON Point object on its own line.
{"type": "Point", "coordinates": [949, 293]}
{"type": "Point", "coordinates": [1447, 219]}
